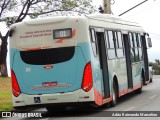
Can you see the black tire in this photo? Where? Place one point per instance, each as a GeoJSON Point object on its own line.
{"type": "Point", "coordinates": [150, 80]}
{"type": "Point", "coordinates": [143, 78]}
{"type": "Point", "coordinates": [139, 90]}
{"type": "Point", "coordinates": [55, 109]}
{"type": "Point", "coordinates": [114, 96]}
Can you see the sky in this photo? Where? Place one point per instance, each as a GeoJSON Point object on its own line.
{"type": "Point", "coordinates": [147, 15]}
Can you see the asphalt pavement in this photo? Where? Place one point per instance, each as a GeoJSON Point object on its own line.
{"type": "Point", "coordinates": [146, 104]}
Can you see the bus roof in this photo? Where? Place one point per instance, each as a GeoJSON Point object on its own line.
{"type": "Point", "coordinates": [113, 22]}
{"type": "Point", "coordinates": [97, 20]}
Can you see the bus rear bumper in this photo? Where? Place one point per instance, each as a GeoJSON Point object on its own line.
{"type": "Point", "coordinates": [77, 96]}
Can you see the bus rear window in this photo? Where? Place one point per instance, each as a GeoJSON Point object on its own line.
{"type": "Point", "coordinates": [47, 56]}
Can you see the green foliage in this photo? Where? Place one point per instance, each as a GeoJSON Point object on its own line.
{"type": "Point", "coordinates": [12, 5]}
{"type": "Point", "coordinates": [5, 94]}
{"type": "Point", "coordinates": [9, 20]}
{"type": "Point", "coordinates": [155, 66]}
{"type": "Point", "coordinates": [13, 11]}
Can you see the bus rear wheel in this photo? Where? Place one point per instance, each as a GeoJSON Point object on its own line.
{"type": "Point", "coordinates": [114, 96]}
{"type": "Point", "coordinates": [139, 90]}
{"type": "Point", "coordinates": [55, 109]}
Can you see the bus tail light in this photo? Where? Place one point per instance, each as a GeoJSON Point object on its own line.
{"type": "Point", "coordinates": [15, 87]}
{"type": "Point", "coordinates": [87, 78]}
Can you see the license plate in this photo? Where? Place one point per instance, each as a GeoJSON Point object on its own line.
{"type": "Point", "coordinates": [49, 84]}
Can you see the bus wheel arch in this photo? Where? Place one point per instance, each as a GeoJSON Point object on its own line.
{"type": "Point", "coordinates": [115, 91]}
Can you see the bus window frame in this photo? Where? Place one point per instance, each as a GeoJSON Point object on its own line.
{"type": "Point", "coordinates": [118, 44]}
{"type": "Point", "coordinates": [109, 47]}
{"type": "Point", "coordinates": [137, 47]}
{"type": "Point", "coordinates": [93, 42]}
{"type": "Point", "coordinates": [140, 47]}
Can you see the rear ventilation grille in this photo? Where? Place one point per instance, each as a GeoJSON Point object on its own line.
{"type": "Point", "coordinates": [47, 56]}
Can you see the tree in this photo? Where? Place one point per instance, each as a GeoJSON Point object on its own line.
{"type": "Point", "coordinates": [155, 66]}
{"type": "Point", "coordinates": [14, 11]}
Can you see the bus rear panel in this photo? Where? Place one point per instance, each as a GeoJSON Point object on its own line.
{"type": "Point", "coordinates": [49, 63]}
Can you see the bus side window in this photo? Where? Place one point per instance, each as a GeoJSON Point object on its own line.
{"type": "Point", "coordinates": [120, 52]}
{"type": "Point", "coordinates": [139, 47]}
{"type": "Point", "coordinates": [106, 40]}
{"type": "Point", "coordinates": [139, 38]}
{"type": "Point", "coordinates": [136, 57]}
{"type": "Point", "coordinates": [111, 50]}
{"type": "Point", "coordinates": [131, 41]}
{"type": "Point", "coordinates": [111, 41]}
{"type": "Point", "coordinates": [131, 47]}
{"type": "Point", "coordinates": [93, 43]}
{"type": "Point", "coordinates": [116, 40]}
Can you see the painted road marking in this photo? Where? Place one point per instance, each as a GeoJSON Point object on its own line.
{"type": "Point", "coordinates": [129, 108]}
{"type": "Point", "coordinates": [152, 96]}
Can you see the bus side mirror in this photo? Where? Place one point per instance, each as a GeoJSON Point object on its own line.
{"type": "Point", "coordinates": [149, 42]}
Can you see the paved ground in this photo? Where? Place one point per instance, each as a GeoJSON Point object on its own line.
{"type": "Point", "coordinates": [148, 100]}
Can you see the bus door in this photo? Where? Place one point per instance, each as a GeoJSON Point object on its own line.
{"type": "Point", "coordinates": [127, 47]}
{"type": "Point", "coordinates": [103, 61]}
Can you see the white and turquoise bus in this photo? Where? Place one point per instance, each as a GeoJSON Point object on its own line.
{"type": "Point", "coordinates": [60, 61]}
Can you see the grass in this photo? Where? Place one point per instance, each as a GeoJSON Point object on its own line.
{"type": "Point", "coordinates": [5, 94]}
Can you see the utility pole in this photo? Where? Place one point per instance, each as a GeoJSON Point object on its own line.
{"type": "Point", "coordinates": [107, 6]}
